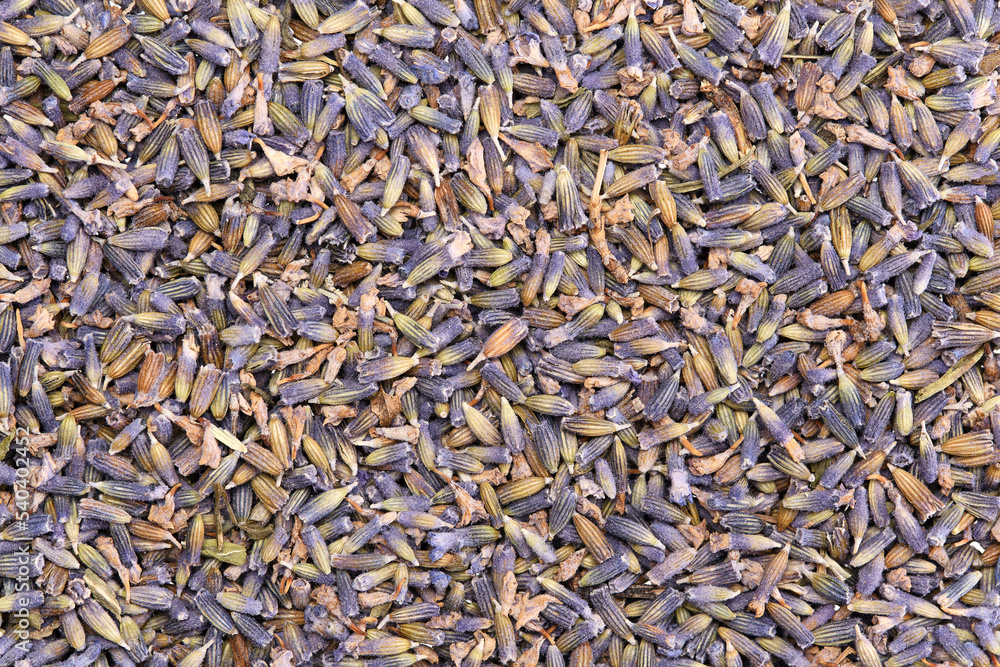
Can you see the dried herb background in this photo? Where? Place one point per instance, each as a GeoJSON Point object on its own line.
{"type": "Point", "coordinates": [427, 332]}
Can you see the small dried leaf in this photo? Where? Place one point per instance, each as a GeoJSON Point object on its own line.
{"type": "Point", "coordinates": [536, 155]}
{"type": "Point", "coordinates": [527, 609]}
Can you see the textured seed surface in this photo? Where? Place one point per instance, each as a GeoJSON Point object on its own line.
{"type": "Point", "coordinates": [653, 333]}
